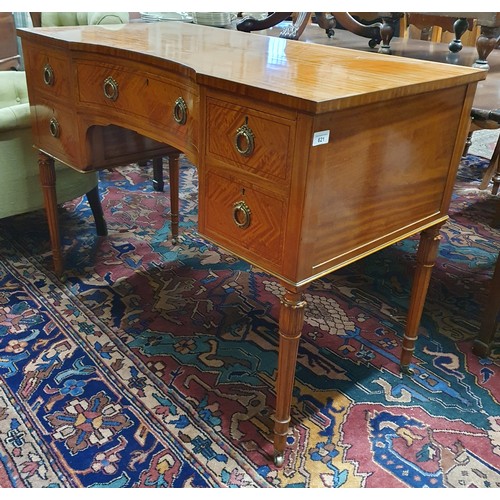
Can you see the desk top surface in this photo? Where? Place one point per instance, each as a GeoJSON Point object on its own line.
{"type": "Point", "coordinates": [488, 91]}
{"type": "Point", "coordinates": [311, 77]}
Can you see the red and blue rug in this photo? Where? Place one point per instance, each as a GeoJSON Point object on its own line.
{"type": "Point", "coordinates": [154, 365]}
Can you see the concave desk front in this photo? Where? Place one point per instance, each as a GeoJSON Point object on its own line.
{"type": "Point", "coordinates": [309, 157]}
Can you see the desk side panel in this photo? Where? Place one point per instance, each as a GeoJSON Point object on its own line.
{"type": "Point", "coordinates": [384, 174]}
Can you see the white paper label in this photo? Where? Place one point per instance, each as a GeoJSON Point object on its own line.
{"type": "Point", "coordinates": [321, 137]}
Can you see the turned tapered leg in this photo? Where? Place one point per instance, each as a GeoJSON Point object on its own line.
{"type": "Point", "coordinates": [386, 34]}
{"type": "Point", "coordinates": [485, 43]}
{"type": "Point", "coordinates": [48, 182]}
{"type": "Point", "coordinates": [426, 257]}
{"type": "Point", "coordinates": [173, 169]}
{"type": "Point", "coordinates": [290, 328]}
{"type": "Point", "coordinates": [460, 26]}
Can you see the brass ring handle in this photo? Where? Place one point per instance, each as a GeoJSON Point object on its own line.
{"type": "Point", "coordinates": [241, 214]}
{"type": "Point", "coordinates": [54, 127]}
{"type": "Point", "coordinates": [180, 111]}
{"type": "Point", "coordinates": [244, 141]}
{"type": "Point", "coordinates": [110, 88]}
{"type": "Point", "coordinates": [48, 75]}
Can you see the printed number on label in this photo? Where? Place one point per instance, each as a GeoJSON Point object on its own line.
{"type": "Point", "coordinates": [322, 137]}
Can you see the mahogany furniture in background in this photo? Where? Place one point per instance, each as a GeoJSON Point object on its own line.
{"type": "Point", "coordinates": [487, 40]}
{"type": "Point", "coordinates": [9, 57]}
{"type": "Point", "coordinates": [384, 30]}
{"type": "Point", "coordinates": [290, 178]}
{"type": "Point", "coordinates": [436, 28]}
{"type": "Point", "coordinates": [377, 31]}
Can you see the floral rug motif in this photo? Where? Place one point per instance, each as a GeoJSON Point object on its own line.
{"type": "Point", "coordinates": [154, 364]}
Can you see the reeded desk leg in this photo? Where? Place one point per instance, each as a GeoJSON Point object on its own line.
{"type": "Point", "coordinates": [426, 257]}
{"type": "Point", "coordinates": [291, 322]}
{"type": "Point", "coordinates": [173, 172]}
{"type": "Point", "coordinates": [48, 181]}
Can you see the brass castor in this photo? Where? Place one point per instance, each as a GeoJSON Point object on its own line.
{"type": "Point", "coordinates": [406, 369]}
{"type": "Point", "coordinates": [279, 459]}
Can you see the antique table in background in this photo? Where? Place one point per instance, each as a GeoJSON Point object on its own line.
{"type": "Point", "coordinates": [304, 166]}
{"type": "Point", "coordinates": [383, 31]}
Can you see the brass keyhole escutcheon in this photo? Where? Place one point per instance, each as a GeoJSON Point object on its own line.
{"type": "Point", "coordinates": [244, 141]}
{"type": "Point", "coordinates": [110, 88]}
{"type": "Point", "coordinates": [48, 75]}
{"type": "Point", "coordinates": [180, 111]}
{"type": "Point", "coordinates": [54, 128]}
{"type": "Point", "coordinates": [241, 214]}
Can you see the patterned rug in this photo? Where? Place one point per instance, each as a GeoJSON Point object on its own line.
{"type": "Point", "coordinates": [154, 365]}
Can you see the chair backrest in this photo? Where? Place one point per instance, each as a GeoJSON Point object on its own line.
{"type": "Point", "coordinates": [13, 89]}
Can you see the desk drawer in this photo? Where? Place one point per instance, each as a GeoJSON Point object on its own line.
{"type": "Point", "coordinates": [254, 141]}
{"type": "Point", "coordinates": [244, 219]}
{"type": "Point", "coordinates": [57, 132]}
{"type": "Point", "coordinates": [50, 73]}
{"type": "Point", "coordinates": [164, 104]}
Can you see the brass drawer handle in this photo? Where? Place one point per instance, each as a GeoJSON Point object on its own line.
{"type": "Point", "coordinates": [110, 88]}
{"type": "Point", "coordinates": [48, 75]}
{"type": "Point", "coordinates": [180, 111]}
{"type": "Point", "coordinates": [241, 214]}
{"type": "Point", "coordinates": [54, 128]}
{"type": "Point", "coordinates": [244, 141]}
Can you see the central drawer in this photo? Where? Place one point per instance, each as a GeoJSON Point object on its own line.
{"type": "Point", "coordinates": [166, 105]}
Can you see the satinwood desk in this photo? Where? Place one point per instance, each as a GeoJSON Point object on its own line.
{"type": "Point", "coordinates": [309, 157]}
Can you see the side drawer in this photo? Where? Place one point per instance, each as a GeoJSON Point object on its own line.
{"type": "Point", "coordinates": [254, 141]}
{"type": "Point", "coordinates": [245, 219]}
{"type": "Point", "coordinates": [165, 104]}
{"type": "Point", "coordinates": [56, 132]}
{"type": "Point", "coordinates": [50, 72]}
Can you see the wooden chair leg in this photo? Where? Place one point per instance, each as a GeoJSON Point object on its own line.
{"type": "Point", "coordinates": [173, 168]}
{"type": "Point", "coordinates": [158, 174]}
{"type": "Point", "coordinates": [95, 205]}
{"type": "Point", "coordinates": [484, 341]}
{"type": "Point", "coordinates": [496, 176]}
{"type": "Point", "coordinates": [493, 171]}
{"type": "Point", "coordinates": [468, 144]}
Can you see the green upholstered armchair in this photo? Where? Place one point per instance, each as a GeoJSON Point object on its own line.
{"type": "Point", "coordinates": [20, 189]}
{"type": "Point", "coordinates": [81, 18]}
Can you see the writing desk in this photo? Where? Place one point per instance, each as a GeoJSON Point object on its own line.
{"type": "Point", "coordinates": [309, 157]}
